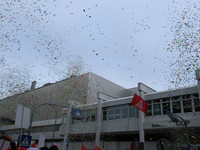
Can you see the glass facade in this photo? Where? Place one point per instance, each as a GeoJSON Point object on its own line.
{"type": "Point", "coordinates": [157, 107]}
{"type": "Point", "coordinates": [132, 112]}
{"type": "Point", "coordinates": [176, 104]}
{"type": "Point", "coordinates": [124, 111]}
{"type": "Point", "coordinates": [149, 109]}
{"type": "Point", "coordinates": [119, 112]}
{"type": "Point", "coordinates": [166, 105]}
{"type": "Point", "coordinates": [195, 98]}
{"type": "Point", "coordinates": [111, 113]}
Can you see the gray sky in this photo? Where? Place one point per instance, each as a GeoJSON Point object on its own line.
{"type": "Point", "coordinates": [125, 41]}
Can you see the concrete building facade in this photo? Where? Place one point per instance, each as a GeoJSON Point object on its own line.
{"type": "Point", "coordinates": [106, 111]}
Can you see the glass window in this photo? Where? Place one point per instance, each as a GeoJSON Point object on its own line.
{"type": "Point", "coordinates": [64, 120]}
{"type": "Point", "coordinates": [176, 98]}
{"type": "Point", "coordinates": [124, 113]}
{"type": "Point", "coordinates": [131, 112]}
{"type": "Point", "coordinates": [117, 107]}
{"type": "Point", "coordinates": [195, 95]}
{"type": "Point", "coordinates": [83, 117]}
{"type": "Point", "coordinates": [149, 110]}
{"type": "Point", "coordinates": [187, 105]}
{"type": "Point", "coordinates": [166, 106]}
{"type": "Point", "coordinates": [117, 112]}
{"type": "Point", "coordinates": [124, 106]}
{"type": "Point", "coordinates": [88, 115]}
{"type": "Point", "coordinates": [196, 104]}
{"type": "Point", "coordinates": [105, 114]}
{"type": "Point", "coordinates": [185, 96]}
{"type": "Point", "coordinates": [111, 115]}
{"type": "Point", "coordinates": [87, 118]}
{"type": "Point", "coordinates": [157, 110]}
{"type": "Point", "coordinates": [93, 117]}
{"type": "Point", "coordinates": [176, 107]}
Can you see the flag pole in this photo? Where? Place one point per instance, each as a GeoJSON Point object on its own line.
{"type": "Point", "coordinates": [141, 118]}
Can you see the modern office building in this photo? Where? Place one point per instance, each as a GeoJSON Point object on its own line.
{"type": "Point", "coordinates": [120, 123]}
{"type": "Point", "coordinates": [107, 118]}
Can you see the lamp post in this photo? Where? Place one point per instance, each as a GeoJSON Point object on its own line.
{"type": "Point", "coordinates": [30, 126]}
{"type": "Point", "coordinates": [174, 118]}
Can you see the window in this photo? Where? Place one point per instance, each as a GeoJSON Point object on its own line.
{"type": "Point", "coordinates": [93, 117]}
{"type": "Point", "coordinates": [196, 102]}
{"type": "Point", "coordinates": [83, 117]}
{"type": "Point", "coordinates": [187, 103]}
{"type": "Point", "coordinates": [166, 105]}
{"type": "Point", "coordinates": [156, 107]}
{"type": "Point", "coordinates": [105, 114]}
{"type": "Point", "coordinates": [131, 112]}
{"type": "Point", "coordinates": [87, 116]}
{"type": "Point", "coordinates": [176, 104]}
{"type": "Point", "coordinates": [64, 120]}
{"type": "Point", "coordinates": [111, 113]}
{"type": "Point", "coordinates": [118, 112]}
{"type": "Point", "coordinates": [149, 110]}
{"type": "Point", "coordinates": [124, 111]}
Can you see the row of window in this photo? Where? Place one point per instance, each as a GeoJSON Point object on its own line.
{"type": "Point", "coordinates": [119, 112]}
{"type": "Point", "coordinates": [177, 104]}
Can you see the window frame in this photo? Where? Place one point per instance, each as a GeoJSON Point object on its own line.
{"type": "Point", "coordinates": [158, 102]}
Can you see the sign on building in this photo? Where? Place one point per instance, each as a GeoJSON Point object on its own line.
{"type": "Point", "coordinates": [77, 114]}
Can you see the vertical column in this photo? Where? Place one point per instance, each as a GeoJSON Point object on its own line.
{"type": "Point", "coordinates": [171, 105]}
{"type": "Point", "coordinates": [199, 88]}
{"type": "Point", "coordinates": [98, 123]}
{"type": "Point", "coordinates": [197, 73]}
{"type": "Point", "coordinates": [67, 125]}
{"type": "Point", "coordinates": [141, 122]}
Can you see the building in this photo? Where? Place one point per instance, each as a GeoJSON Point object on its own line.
{"type": "Point", "coordinates": [120, 121]}
{"type": "Point", "coordinates": [75, 90]}
{"type": "Point", "coordinates": [106, 115]}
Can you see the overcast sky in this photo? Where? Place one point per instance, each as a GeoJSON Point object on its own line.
{"type": "Point", "coordinates": [124, 41]}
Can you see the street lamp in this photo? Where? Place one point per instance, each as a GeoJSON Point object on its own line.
{"type": "Point", "coordinates": [174, 118]}
{"type": "Point", "coordinates": [30, 126]}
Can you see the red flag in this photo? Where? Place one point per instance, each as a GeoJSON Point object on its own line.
{"type": "Point", "coordinates": [139, 103]}
{"type": "Point", "coordinates": [97, 148]}
{"type": "Point", "coordinates": [130, 147]}
{"type": "Point", "coordinates": [83, 148]}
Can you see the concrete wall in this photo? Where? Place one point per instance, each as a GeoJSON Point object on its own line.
{"type": "Point", "coordinates": [78, 128]}
{"type": "Point", "coordinates": [99, 84]}
{"type": "Point", "coordinates": [167, 94]}
{"type": "Point", "coordinates": [120, 125]}
{"type": "Point", "coordinates": [57, 93]}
